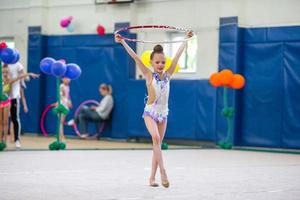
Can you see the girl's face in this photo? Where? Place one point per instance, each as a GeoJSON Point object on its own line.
{"type": "Point", "coordinates": [66, 81]}
{"type": "Point", "coordinates": [158, 62]}
{"type": "Point", "coordinates": [103, 91]}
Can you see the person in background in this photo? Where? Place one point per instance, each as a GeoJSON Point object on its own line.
{"type": "Point", "coordinates": [95, 113]}
{"type": "Point", "coordinates": [5, 105]}
{"type": "Point", "coordinates": [16, 70]}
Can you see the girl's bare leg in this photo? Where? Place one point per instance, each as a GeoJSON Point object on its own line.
{"type": "Point", "coordinates": [157, 154]}
{"type": "Point", "coordinates": [61, 129]}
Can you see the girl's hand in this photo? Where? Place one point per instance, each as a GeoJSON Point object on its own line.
{"type": "Point", "coordinates": [25, 109]}
{"type": "Point", "coordinates": [55, 104]}
{"type": "Point", "coordinates": [93, 107]}
{"type": "Point", "coordinates": [118, 38]}
{"type": "Point", "coordinates": [189, 34]}
{"type": "Point", "coordinates": [70, 105]}
{"type": "Point", "coordinates": [33, 75]}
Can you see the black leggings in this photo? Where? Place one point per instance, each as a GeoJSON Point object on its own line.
{"type": "Point", "coordinates": [15, 117]}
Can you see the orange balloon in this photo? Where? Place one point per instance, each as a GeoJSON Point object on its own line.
{"type": "Point", "coordinates": [215, 79]}
{"type": "Point", "coordinates": [238, 81]}
{"type": "Point", "coordinates": [226, 77]}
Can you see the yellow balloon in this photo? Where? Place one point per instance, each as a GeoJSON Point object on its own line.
{"type": "Point", "coordinates": [146, 58]}
{"type": "Point", "coordinates": [168, 65]}
{"type": "Point", "coordinates": [146, 61]}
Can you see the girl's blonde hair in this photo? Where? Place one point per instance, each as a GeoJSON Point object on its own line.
{"type": "Point", "coordinates": [107, 87]}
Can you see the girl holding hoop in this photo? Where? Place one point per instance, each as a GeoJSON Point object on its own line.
{"type": "Point", "coordinates": [156, 109]}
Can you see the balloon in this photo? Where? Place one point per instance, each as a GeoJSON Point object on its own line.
{"type": "Point", "coordinates": [46, 64]}
{"type": "Point", "coordinates": [65, 22]}
{"type": "Point", "coordinates": [73, 71]}
{"type": "Point", "coordinates": [226, 76]}
{"type": "Point", "coordinates": [3, 45]}
{"type": "Point", "coordinates": [58, 69]}
{"type": "Point", "coordinates": [70, 28]}
{"type": "Point", "coordinates": [238, 82]}
{"type": "Point", "coordinates": [146, 58]}
{"type": "Point", "coordinates": [8, 55]}
{"type": "Point", "coordinates": [215, 80]}
{"type": "Point", "coordinates": [17, 57]}
{"type": "Point", "coordinates": [70, 18]}
{"type": "Point", "coordinates": [100, 30]}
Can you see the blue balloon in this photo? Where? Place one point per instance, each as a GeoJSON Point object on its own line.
{"type": "Point", "coordinates": [17, 56]}
{"type": "Point", "coordinates": [58, 69]}
{"type": "Point", "coordinates": [46, 64]}
{"type": "Point", "coordinates": [7, 55]}
{"type": "Point", "coordinates": [73, 71]}
{"type": "Point", "coordinates": [70, 28]}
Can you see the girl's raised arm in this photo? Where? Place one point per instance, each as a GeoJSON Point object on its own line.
{"type": "Point", "coordinates": [146, 72]}
{"type": "Point", "coordinates": [171, 70]}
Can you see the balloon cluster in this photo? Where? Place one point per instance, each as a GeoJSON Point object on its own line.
{"type": "Point", "coordinates": [59, 68]}
{"type": "Point", "coordinates": [226, 78]}
{"type": "Point", "coordinates": [164, 146]}
{"type": "Point", "coordinates": [100, 30]}
{"type": "Point", "coordinates": [8, 55]}
{"type": "Point", "coordinates": [2, 146]}
{"type": "Point", "coordinates": [56, 145]}
{"type": "Point", "coordinates": [146, 61]}
{"type": "Point", "coordinates": [66, 22]}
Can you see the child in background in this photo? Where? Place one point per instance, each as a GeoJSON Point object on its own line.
{"type": "Point", "coordinates": [65, 100]}
{"type": "Point", "coordinates": [5, 105]}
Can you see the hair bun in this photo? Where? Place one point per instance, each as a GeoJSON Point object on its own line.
{"type": "Point", "coordinates": [158, 48]}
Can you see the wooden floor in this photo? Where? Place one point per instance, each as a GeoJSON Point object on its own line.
{"type": "Point", "coordinates": [31, 142]}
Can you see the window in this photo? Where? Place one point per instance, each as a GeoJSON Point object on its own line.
{"type": "Point", "coordinates": [188, 60]}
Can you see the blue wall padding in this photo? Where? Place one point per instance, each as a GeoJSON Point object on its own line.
{"type": "Point", "coordinates": [191, 112]}
{"type": "Point", "coordinates": [262, 102]}
{"type": "Point", "coordinates": [291, 106]}
{"type": "Point", "coordinates": [267, 109]}
{"type": "Point", "coordinates": [228, 59]}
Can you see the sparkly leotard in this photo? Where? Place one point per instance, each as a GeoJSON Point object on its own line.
{"type": "Point", "coordinates": [6, 89]}
{"type": "Point", "coordinates": [159, 110]}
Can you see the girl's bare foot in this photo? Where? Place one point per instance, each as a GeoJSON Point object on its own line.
{"type": "Point", "coordinates": [164, 179]}
{"type": "Point", "coordinates": [152, 183]}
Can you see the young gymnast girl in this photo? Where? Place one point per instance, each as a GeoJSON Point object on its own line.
{"type": "Point", "coordinates": [5, 105]}
{"type": "Point", "coordinates": [156, 109]}
{"type": "Point", "coordinates": [66, 102]}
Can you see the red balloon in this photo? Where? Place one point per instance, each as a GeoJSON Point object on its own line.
{"type": "Point", "coordinates": [100, 30]}
{"type": "Point", "coordinates": [3, 45]}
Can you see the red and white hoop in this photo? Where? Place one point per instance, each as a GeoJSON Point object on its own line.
{"type": "Point", "coordinates": [171, 28]}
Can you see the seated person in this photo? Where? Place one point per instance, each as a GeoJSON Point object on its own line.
{"type": "Point", "coordinates": [95, 113]}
